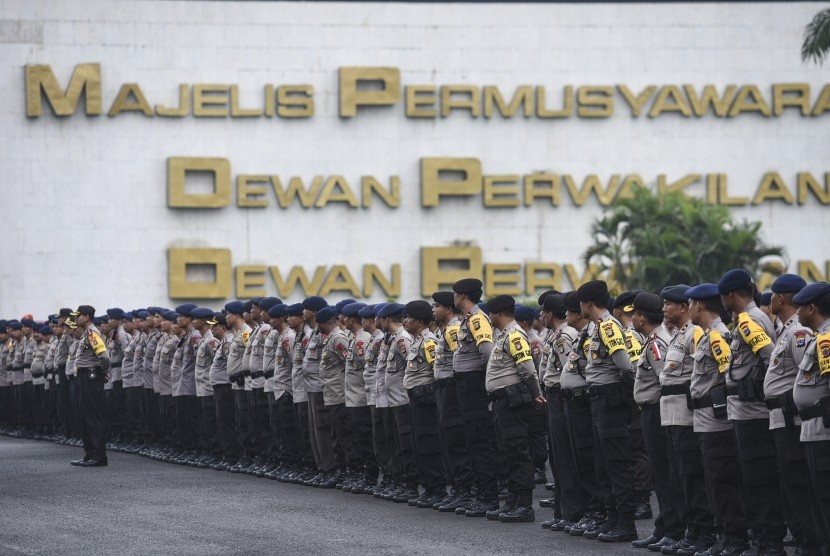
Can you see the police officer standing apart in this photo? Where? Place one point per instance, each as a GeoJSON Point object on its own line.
{"type": "Point", "coordinates": [609, 375]}
{"type": "Point", "coordinates": [92, 367]}
{"type": "Point", "coordinates": [784, 421]}
{"type": "Point", "coordinates": [513, 386]}
{"type": "Point", "coordinates": [812, 397]}
{"type": "Point", "coordinates": [752, 346]}
{"type": "Point", "coordinates": [475, 342]}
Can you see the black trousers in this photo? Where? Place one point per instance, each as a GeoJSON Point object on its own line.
{"type": "Point", "coordinates": [258, 416]}
{"type": "Point", "coordinates": [379, 439]}
{"type": "Point", "coordinates": [167, 418]}
{"type": "Point", "coordinates": [93, 414]}
{"type": "Point", "coordinates": [150, 416]}
{"type": "Point", "coordinates": [583, 441]}
{"type": "Point", "coordinates": [52, 421]}
{"type": "Point", "coordinates": [287, 429]}
{"type": "Point", "coordinates": [210, 434]}
{"type": "Point", "coordinates": [723, 475]}
{"type": "Point", "coordinates": [571, 493]}
{"type": "Point", "coordinates": [457, 466]}
{"type": "Point", "coordinates": [240, 398]}
{"type": "Point", "coordinates": [686, 464]}
{"type": "Point", "coordinates": [320, 427]}
{"type": "Point", "coordinates": [27, 401]}
{"type": "Point", "coordinates": [223, 399]}
{"type": "Point", "coordinates": [643, 481]}
{"type": "Point", "coordinates": [187, 421]}
{"type": "Point", "coordinates": [757, 457]}
{"type": "Point", "coordinates": [132, 426]}
{"type": "Point", "coordinates": [538, 435]}
{"type": "Point", "coordinates": [404, 444]}
{"type": "Point", "coordinates": [800, 502]}
{"type": "Point", "coordinates": [303, 435]}
{"type": "Point", "coordinates": [342, 441]}
{"type": "Point", "coordinates": [818, 463]}
{"type": "Point", "coordinates": [425, 429]}
{"type": "Point", "coordinates": [64, 404]}
{"type": "Point", "coordinates": [6, 397]}
{"type": "Point", "coordinates": [364, 457]}
{"type": "Point", "coordinates": [75, 407]}
{"type": "Point", "coordinates": [668, 522]}
{"type": "Point", "coordinates": [39, 406]}
{"type": "Point", "coordinates": [479, 432]}
{"type": "Point", "coordinates": [513, 429]}
{"type": "Point", "coordinates": [612, 412]}
{"type": "Point", "coordinates": [117, 409]}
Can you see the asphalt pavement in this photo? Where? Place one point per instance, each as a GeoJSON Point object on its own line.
{"type": "Point", "coordinates": [141, 506]}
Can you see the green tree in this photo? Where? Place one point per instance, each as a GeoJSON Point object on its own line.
{"type": "Point", "coordinates": [650, 240]}
{"type": "Point", "coordinates": [816, 43]}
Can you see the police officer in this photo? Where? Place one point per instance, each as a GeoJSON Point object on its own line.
{"type": "Point", "coordinates": [38, 370]}
{"type": "Point", "coordinates": [130, 385]}
{"type": "Point", "coordinates": [784, 421]}
{"type": "Point", "coordinates": [715, 431]}
{"type": "Point", "coordinates": [513, 386]}
{"type": "Point", "coordinates": [419, 381]}
{"type": "Point", "coordinates": [5, 378]}
{"type": "Point", "coordinates": [609, 375]}
{"type": "Point", "coordinates": [223, 395]}
{"type": "Point", "coordinates": [169, 360]}
{"type": "Point", "coordinates": [29, 346]}
{"type": "Point", "coordinates": [92, 367]}
{"type": "Point", "coordinates": [266, 359]}
{"type": "Point", "coordinates": [538, 439]}
{"type": "Point", "coordinates": [302, 331]}
{"type": "Point", "coordinates": [685, 458]}
{"type": "Point", "coordinates": [457, 466]}
{"type": "Point", "coordinates": [647, 320]}
{"type": "Point", "coordinates": [258, 421]}
{"type": "Point", "coordinates": [150, 412]}
{"type": "Point", "coordinates": [752, 345]}
{"type": "Point", "coordinates": [811, 393]}
{"type": "Point", "coordinates": [475, 342]}
{"type": "Point", "coordinates": [203, 322]}
{"type": "Point", "coordinates": [241, 332]}
{"type": "Point", "coordinates": [118, 338]}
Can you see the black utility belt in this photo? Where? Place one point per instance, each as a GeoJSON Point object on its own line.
{"type": "Point", "coordinates": [675, 389]}
{"type": "Point", "coordinates": [442, 383]}
{"type": "Point", "coordinates": [822, 409]}
{"type": "Point", "coordinates": [516, 395]}
{"type": "Point", "coordinates": [422, 391]}
{"type": "Point", "coordinates": [580, 392]}
{"type": "Point", "coordinates": [459, 376]}
{"type": "Point", "coordinates": [26, 367]}
{"type": "Point", "coordinates": [258, 374]}
{"type": "Point", "coordinates": [115, 365]}
{"type": "Point", "coordinates": [597, 390]}
{"type": "Point", "coordinates": [553, 389]}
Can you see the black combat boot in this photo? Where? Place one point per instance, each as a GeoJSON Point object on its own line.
{"type": "Point", "coordinates": [522, 512]}
{"type": "Point", "coordinates": [509, 505]}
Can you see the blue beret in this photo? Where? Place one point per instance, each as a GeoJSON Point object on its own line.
{"type": "Point", "coordinates": [295, 310]}
{"type": "Point", "coordinates": [483, 306]}
{"type": "Point", "coordinates": [788, 283]}
{"type": "Point", "coordinates": [127, 316]}
{"type": "Point", "coordinates": [314, 303]}
{"type": "Point", "coordinates": [247, 306]}
{"type": "Point", "coordinates": [537, 312]}
{"type": "Point", "coordinates": [766, 299]}
{"type": "Point", "coordinates": [524, 313]}
{"type": "Point", "coordinates": [390, 309]}
{"type": "Point", "coordinates": [115, 313]}
{"type": "Point", "coordinates": [703, 291]}
{"type": "Point", "coordinates": [675, 293]}
{"type": "Point", "coordinates": [105, 318]}
{"type": "Point", "coordinates": [811, 293]}
{"type": "Point", "coordinates": [97, 321]}
{"type": "Point", "coordinates": [201, 313]}
{"type": "Point", "coordinates": [3, 323]}
{"type": "Point", "coordinates": [172, 316]}
{"type": "Point", "coordinates": [367, 312]}
{"type": "Point", "coordinates": [141, 314]}
{"type": "Point", "coordinates": [325, 314]}
{"type": "Point", "coordinates": [235, 307]}
{"type": "Point", "coordinates": [45, 330]}
{"type": "Point", "coordinates": [352, 309]}
{"type": "Point", "coordinates": [185, 309]}
{"type": "Point", "coordinates": [28, 322]}
{"type": "Point", "coordinates": [378, 308]}
{"type": "Point", "coordinates": [256, 300]}
{"type": "Point", "coordinates": [278, 310]}
{"type": "Point", "coordinates": [268, 302]}
{"type": "Point", "coordinates": [340, 304]}
{"type": "Point", "coordinates": [735, 279]}
{"type": "Point", "coordinates": [14, 324]}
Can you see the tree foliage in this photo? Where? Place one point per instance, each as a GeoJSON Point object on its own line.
{"type": "Point", "coordinates": [650, 240]}
{"type": "Point", "coordinates": [816, 43]}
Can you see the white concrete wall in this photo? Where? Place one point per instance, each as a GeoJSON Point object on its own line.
{"type": "Point", "coordinates": [84, 214]}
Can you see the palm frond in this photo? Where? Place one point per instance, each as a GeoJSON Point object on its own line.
{"type": "Point", "coordinates": [816, 43]}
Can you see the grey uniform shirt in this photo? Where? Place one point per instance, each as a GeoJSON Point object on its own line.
{"type": "Point", "coordinates": [128, 360]}
{"type": "Point", "coordinates": [311, 361]}
{"type": "Point", "coordinates": [370, 369]}
{"type": "Point", "coordinates": [72, 358]}
{"type": "Point", "coordinates": [607, 353]}
{"type": "Point", "coordinates": [573, 375]}
{"type": "Point", "coordinates": [5, 374]}
{"type": "Point", "coordinates": [355, 365]}
{"type": "Point", "coordinates": [283, 363]}
{"type": "Point", "coordinates": [236, 355]}
{"type": "Point", "coordinates": [138, 360]}
{"type": "Point", "coordinates": [535, 341]}
{"type": "Point", "coordinates": [150, 346]}
{"type": "Point", "coordinates": [813, 382]}
{"type": "Point", "coordinates": [711, 361]}
{"type": "Point", "coordinates": [561, 341]}
{"type": "Point", "coordinates": [162, 339]}
{"type": "Point", "coordinates": [167, 360]}
{"type": "Point", "coordinates": [419, 360]}
{"type": "Point", "coordinates": [298, 385]}
{"type": "Point", "coordinates": [380, 395]}
{"type": "Point", "coordinates": [63, 349]}
{"type": "Point", "coordinates": [186, 383]}
{"type": "Point", "coordinates": [92, 351]}
{"type": "Point", "coordinates": [447, 341]}
{"type": "Point", "coordinates": [649, 367]}
{"type": "Point", "coordinates": [475, 342]}
{"type": "Point", "coordinates": [28, 357]}
{"type": "Point", "coordinates": [752, 345]}
{"type": "Point", "coordinates": [204, 360]}
{"type": "Point", "coordinates": [333, 367]}
{"type": "Point", "coordinates": [677, 371]}
{"type": "Point", "coordinates": [269, 358]}
{"type": "Point", "coordinates": [396, 355]}
{"type": "Point", "coordinates": [218, 373]}
{"type": "Point", "coordinates": [39, 363]}
{"type": "Point", "coordinates": [120, 341]}
{"type": "Point", "coordinates": [16, 361]}
{"type": "Point", "coordinates": [783, 367]}
{"type": "Point", "coordinates": [511, 361]}
{"type": "Point", "coordinates": [254, 353]}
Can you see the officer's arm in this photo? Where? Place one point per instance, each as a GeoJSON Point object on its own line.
{"type": "Point", "coordinates": [104, 361]}
{"type": "Point", "coordinates": [614, 340]}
